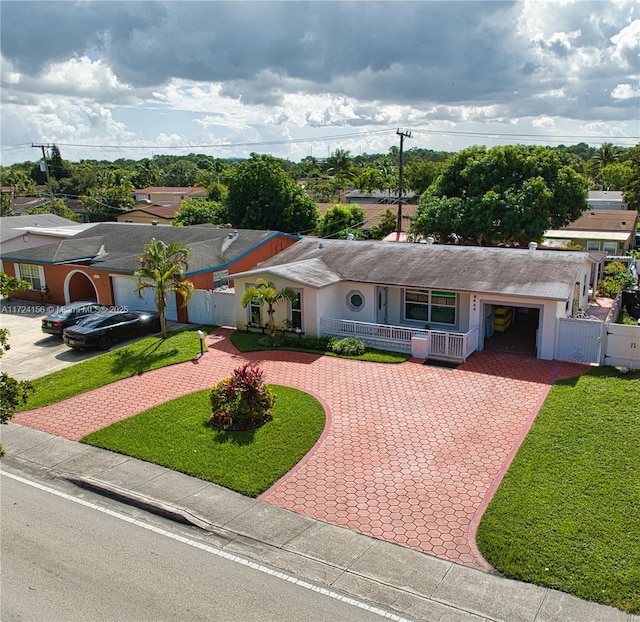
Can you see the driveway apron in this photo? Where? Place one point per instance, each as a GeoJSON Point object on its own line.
{"type": "Point", "coordinates": [410, 454]}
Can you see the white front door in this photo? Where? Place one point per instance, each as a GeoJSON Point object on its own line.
{"type": "Point", "coordinates": [381, 305]}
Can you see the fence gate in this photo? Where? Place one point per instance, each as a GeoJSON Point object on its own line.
{"type": "Point", "coordinates": [579, 340]}
{"type": "Point", "coordinates": [215, 307]}
{"type": "Point", "coordinates": [623, 346]}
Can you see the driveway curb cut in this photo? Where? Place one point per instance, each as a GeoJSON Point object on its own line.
{"type": "Point", "coordinates": [148, 504]}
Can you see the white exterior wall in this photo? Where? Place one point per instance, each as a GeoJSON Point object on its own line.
{"type": "Point", "coordinates": [367, 312]}
{"type": "Point", "coordinates": [310, 298]}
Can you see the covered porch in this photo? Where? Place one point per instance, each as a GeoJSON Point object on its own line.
{"type": "Point", "coordinates": [421, 343]}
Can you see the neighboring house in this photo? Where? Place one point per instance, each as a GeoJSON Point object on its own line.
{"type": "Point", "coordinates": [606, 199]}
{"type": "Point", "coordinates": [21, 205]}
{"type": "Point", "coordinates": [611, 231]}
{"type": "Point", "coordinates": [20, 232]}
{"type": "Point", "coordinates": [168, 195]}
{"type": "Point", "coordinates": [436, 301]}
{"type": "Point", "coordinates": [150, 214]}
{"type": "Point", "coordinates": [98, 264]}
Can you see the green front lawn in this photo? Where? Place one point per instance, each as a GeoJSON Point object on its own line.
{"type": "Point", "coordinates": [567, 514]}
{"type": "Point", "coordinates": [177, 435]}
{"type": "Point", "coordinates": [136, 358]}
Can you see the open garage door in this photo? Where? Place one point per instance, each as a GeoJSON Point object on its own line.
{"type": "Point", "coordinates": [123, 296]}
{"type": "Point", "coordinates": [511, 329]}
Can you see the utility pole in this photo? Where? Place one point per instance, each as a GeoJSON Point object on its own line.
{"type": "Point", "coordinates": [403, 134]}
{"type": "Point", "coordinates": [46, 167]}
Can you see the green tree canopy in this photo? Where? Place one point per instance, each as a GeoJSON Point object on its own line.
{"type": "Point", "coordinates": [18, 181]}
{"type": "Point", "coordinates": [338, 218]}
{"type": "Point", "coordinates": [199, 211]}
{"type": "Point", "coordinates": [113, 196]}
{"type": "Point", "coordinates": [180, 173]}
{"type": "Point", "coordinates": [146, 174]}
{"type": "Point", "coordinates": [57, 207]}
{"type": "Point", "coordinates": [388, 224]}
{"type": "Point", "coordinates": [504, 194]}
{"type": "Point", "coordinates": [13, 393]}
{"type": "Point", "coordinates": [631, 190]}
{"type": "Point", "coordinates": [162, 269]}
{"type": "Point", "coordinates": [263, 196]}
{"type": "Point", "coordinates": [616, 176]}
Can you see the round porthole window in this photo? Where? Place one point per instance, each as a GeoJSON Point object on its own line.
{"type": "Point", "coordinates": [355, 300]}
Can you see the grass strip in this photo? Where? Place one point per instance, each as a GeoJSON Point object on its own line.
{"type": "Point", "coordinates": [249, 342]}
{"type": "Point", "coordinates": [177, 435]}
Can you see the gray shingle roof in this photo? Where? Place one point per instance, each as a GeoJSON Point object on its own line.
{"type": "Point", "coordinates": [514, 272]}
{"type": "Point", "coordinates": [210, 246]}
{"type": "Point", "coordinates": [9, 224]}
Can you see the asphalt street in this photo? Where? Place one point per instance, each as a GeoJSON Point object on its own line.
{"type": "Point", "coordinates": [65, 559]}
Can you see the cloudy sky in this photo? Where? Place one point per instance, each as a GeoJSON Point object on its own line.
{"type": "Point", "coordinates": [105, 80]}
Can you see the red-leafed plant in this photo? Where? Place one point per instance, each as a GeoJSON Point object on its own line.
{"type": "Point", "coordinates": [243, 401]}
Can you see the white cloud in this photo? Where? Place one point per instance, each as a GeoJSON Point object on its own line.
{"type": "Point", "coordinates": [627, 45]}
{"type": "Point", "coordinates": [547, 123]}
{"type": "Point", "coordinates": [625, 91]}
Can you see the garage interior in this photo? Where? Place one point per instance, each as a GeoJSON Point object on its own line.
{"type": "Point", "coordinates": [512, 329]}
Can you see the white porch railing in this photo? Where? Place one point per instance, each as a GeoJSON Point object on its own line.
{"type": "Point", "coordinates": [454, 346]}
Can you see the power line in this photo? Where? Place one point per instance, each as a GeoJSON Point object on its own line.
{"type": "Point", "coordinates": [540, 138]}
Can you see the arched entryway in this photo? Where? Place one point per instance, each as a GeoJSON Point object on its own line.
{"type": "Point", "coordinates": [79, 286]}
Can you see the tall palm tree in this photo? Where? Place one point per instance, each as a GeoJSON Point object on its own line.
{"type": "Point", "coordinates": [606, 154]}
{"type": "Point", "coordinates": [162, 268]}
{"type": "Point", "coordinates": [266, 292]}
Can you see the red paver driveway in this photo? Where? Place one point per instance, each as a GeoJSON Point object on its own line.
{"type": "Point", "coordinates": [411, 454]}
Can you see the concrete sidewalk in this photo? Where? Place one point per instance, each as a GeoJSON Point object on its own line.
{"type": "Point", "coordinates": [410, 583]}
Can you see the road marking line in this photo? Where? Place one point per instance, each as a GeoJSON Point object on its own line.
{"type": "Point", "coordinates": [210, 549]}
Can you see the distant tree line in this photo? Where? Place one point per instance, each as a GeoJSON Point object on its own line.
{"type": "Point", "coordinates": [477, 195]}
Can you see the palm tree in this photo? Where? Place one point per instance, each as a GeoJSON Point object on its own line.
{"type": "Point", "coordinates": [266, 292]}
{"type": "Point", "coordinates": [607, 154]}
{"type": "Point", "coordinates": [162, 268]}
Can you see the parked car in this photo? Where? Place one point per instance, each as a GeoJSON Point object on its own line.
{"type": "Point", "coordinates": [68, 315]}
{"type": "Point", "coordinates": [104, 329]}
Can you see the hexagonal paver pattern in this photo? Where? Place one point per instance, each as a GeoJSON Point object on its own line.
{"type": "Point", "coordinates": [410, 454]}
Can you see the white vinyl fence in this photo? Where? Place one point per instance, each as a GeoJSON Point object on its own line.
{"type": "Point", "coordinates": [598, 342]}
{"type": "Point", "coordinates": [216, 307]}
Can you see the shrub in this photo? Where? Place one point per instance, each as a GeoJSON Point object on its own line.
{"type": "Point", "coordinates": [616, 278]}
{"type": "Point", "coordinates": [349, 346]}
{"type": "Point", "coordinates": [275, 341]}
{"type": "Point", "coordinates": [242, 401]}
{"type": "Point", "coordinates": [321, 344]}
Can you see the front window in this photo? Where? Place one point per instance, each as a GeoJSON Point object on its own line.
{"type": "Point", "coordinates": [593, 245]}
{"type": "Point", "coordinates": [355, 300]}
{"type": "Point", "coordinates": [611, 248]}
{"type": "Point", "coordinates": [425, 305]}
{"type": "Point", "coordinates": [32, 274]}
{"type": "Point", "coordinates": [296, 311]}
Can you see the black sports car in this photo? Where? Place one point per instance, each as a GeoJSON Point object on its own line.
{"type": "Point", "coordinates": [103, 329]}
{"type": "Point", "coordinates": [68, 315]}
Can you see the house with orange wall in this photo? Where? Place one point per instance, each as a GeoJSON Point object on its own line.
{"type": "Point", "coordinates": [98, 265]}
